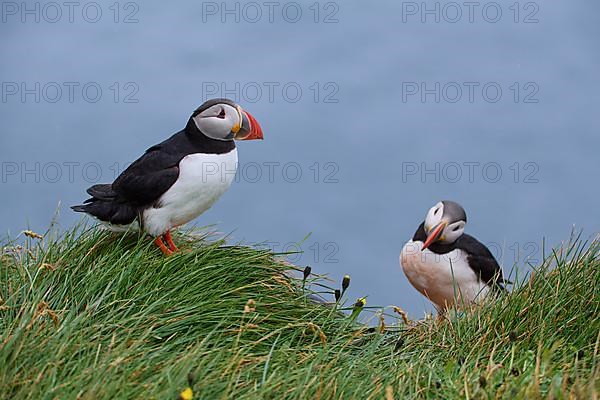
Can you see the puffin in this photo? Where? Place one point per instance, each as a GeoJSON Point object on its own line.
{"type": "Point", "coordinates": [448, 266]}
{"type": "Point", "coordinates": [175, 181]}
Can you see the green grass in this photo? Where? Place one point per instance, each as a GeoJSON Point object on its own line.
{"type": "Point", "coordinates": [95, 316]}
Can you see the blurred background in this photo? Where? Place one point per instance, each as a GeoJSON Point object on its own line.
{"type": "Point", "coordinates": [371, 114]}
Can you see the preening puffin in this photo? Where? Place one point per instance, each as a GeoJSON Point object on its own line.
{"type": "Point", "coordinates": [445, 264]}
{"type": "Point", "coordinates": [177, 180]}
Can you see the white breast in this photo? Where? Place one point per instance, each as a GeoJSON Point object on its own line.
{"type": "Point", "coordinates": [443, 278]}
{"type": "Point", "coordinates": [203, 178]}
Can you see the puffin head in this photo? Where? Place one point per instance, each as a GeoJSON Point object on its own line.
{"type": "Point", "coordinates": [445, 223]}
{"type": "Point", "coordinates": [222, 119]}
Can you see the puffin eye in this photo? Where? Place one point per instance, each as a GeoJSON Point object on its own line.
{"type": "Point", "coordinates": [221, 114]}
{"type": "Point", "coordinates": [436, 211]}
{"type": "Point", "coordinates": [455, 228]}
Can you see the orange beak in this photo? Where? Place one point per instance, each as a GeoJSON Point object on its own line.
{"type": "Point", "coordinates": [434, 235]}
{"type": "Point", "coordinates": [250, 129]}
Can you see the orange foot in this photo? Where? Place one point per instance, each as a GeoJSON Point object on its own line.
{"type": "Point", "coordinates": [170, 242]}
{"type": "Point", "coordinates": [160, 243]}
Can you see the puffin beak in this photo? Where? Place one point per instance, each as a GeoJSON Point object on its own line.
{"type": "Point", "coordinates": [434, 235]}
{"type": "Point", "coordinates": [250, 129]}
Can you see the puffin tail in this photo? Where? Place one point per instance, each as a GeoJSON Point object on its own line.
{"type": "Point", "coordinates": [106, 206]}
{"type": "Point", "coordinates": [81, 208]}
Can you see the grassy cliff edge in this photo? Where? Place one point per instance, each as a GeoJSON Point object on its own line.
{"type": "Point", "coordinates": [90, 315]}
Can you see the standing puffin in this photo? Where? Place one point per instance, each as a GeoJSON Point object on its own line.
{"type": "Point", "coordinates": [177, 180]}
{"type": "Point", "coordinates": [445, 264]}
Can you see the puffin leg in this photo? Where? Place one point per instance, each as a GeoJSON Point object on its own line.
{"type": "Point", "coordinates": [161, 245]}
{"type": "Point", "coordinates": [170, 242]}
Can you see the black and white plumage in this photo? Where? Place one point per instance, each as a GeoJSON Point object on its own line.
{"type": "Point", "coordinates": [177, 180]}
{"type": "Point", "coordinates": [446, 265]}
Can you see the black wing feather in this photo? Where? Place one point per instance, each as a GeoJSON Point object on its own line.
{"type": "Point", "coordinates": [481, 260]}
{"type": "Point", "coordinates": [149, 177]}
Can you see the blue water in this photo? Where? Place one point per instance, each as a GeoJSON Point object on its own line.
{"type": "Point", "coordinates": [375, 140]}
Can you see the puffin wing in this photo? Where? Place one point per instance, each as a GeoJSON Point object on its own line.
{"type": "Point", "coordinates": [149, 177]}
{"type": "Point", "coordinates": [482, 261]}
